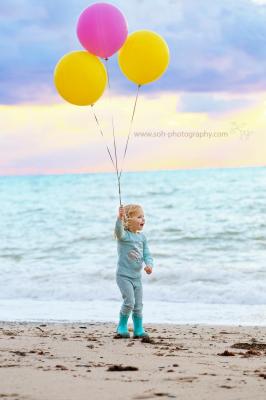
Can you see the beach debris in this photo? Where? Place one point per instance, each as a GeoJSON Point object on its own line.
{"type": "Point", "coordinates": [118, 336]}
{"type": "Point", "coordinates": [61, 367]}
{"type": "Point", "coordinates": [91, 339]}
{"type": "Point", "coordinates": [40, 329]}
{"type": "Point", "coordinates": [187, 379]}
{"type": "Point", "coordinates": [8, 333]}
{"type": "Point", "coordinates": [226, 387]}
{"type": "Point", "coordinates": [250, 346]}
{"type": "Point", "coordinates": [227, 353]}
{"type": "Point", "coordinates": [206, 373]}
{"type": "Point", "coordinates": [19, 353]}
{"type": "Point", "coordinates": [252, 350]}
{"type": "Point", "coordinates": [98, 364]}
{"type": "Point", "coordinates": [147, 339]}
{"type": "Point", "coordinates": [122, 368]}
{"type": "Point", "coordinates": [83, 365]}
{"type": "Point", "coordinates": [251, 353]}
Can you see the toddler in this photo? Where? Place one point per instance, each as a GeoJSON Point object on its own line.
{"type": "Point", "coordinates": [132, 251]}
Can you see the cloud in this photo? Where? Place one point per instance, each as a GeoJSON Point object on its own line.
{"type": "Point", "coordinates": [60, 138]}
{"type": "Point", "coordinates": [212, 103]}
{"type": "Point", "coordinates": [21, 10]}
{"type": "Point", "coordinates": [215, 46]}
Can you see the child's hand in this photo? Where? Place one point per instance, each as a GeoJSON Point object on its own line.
{"type": "Point", "coordinates": [148, 269]}
{"type": "Point", "coordinates": [121, 212]}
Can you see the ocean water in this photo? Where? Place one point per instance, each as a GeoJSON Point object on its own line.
{"type": "Point", "coordinates": [206, 230]}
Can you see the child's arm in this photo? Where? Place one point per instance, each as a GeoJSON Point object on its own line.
{"type": "Point", "coordinates": [147, 257]}
{"type": "Point", "coordinates": [119, 228]}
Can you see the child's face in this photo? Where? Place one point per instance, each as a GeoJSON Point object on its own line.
{"type": "Point", "coordinates": [137, 221]}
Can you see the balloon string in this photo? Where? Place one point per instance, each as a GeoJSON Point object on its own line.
{"type": "Point", "coordinates": [113, 130]}
{"type": "Point", "coordinates": [130, 129]}
{"type": "Point", "coordinates": [101, 132]}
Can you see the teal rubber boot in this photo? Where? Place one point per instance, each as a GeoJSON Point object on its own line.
{"type": "Point", "coordinates": [122, 326]}
{"type": "Point", "coordinates": [139, 331]}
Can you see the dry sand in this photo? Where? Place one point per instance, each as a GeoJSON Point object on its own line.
{"type": "Point", "coordinates": [84, 361]}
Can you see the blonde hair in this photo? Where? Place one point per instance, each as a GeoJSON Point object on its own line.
{"type": "Point", "coordinates": [130, 211]}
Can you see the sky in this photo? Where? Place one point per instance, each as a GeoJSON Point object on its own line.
{"type": "Point", "coordinates": [207, 111]}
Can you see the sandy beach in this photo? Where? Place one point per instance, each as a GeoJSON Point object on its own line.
{"type": "Point", "coordinates": [86, 361]}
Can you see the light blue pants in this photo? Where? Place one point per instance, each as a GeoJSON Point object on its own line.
{"type": "Point", "coordinates": [131, 290]}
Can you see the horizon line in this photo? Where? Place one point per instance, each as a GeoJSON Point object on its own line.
{"type": "Point", "coordinates": [129, 172]}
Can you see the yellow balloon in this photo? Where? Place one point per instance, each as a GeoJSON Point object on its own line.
{"type": "Point", "coordinates": [144, 57]}
{"type": "Point", "coordinates": [80, 78]}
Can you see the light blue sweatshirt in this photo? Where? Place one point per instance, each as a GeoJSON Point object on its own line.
{"type": "Point", "coordinates": [132, 250]}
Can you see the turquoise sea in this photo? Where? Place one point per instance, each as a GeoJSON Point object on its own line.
{"type": "Point", "coordinates": [206, 230]}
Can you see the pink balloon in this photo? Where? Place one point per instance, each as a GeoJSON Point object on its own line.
{"type": "Point", "coordinates": [102, 29]}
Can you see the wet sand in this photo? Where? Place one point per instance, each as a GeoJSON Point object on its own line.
{"type": "Point", "coordinates": [86, 361]}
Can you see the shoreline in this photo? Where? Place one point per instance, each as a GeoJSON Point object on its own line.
{"type": "Point", "coordinates": [37, 311]}
{"type": "Point", "coordinates": [92, 322]}
{"type": "Point", "coordinates": [76, 360]}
